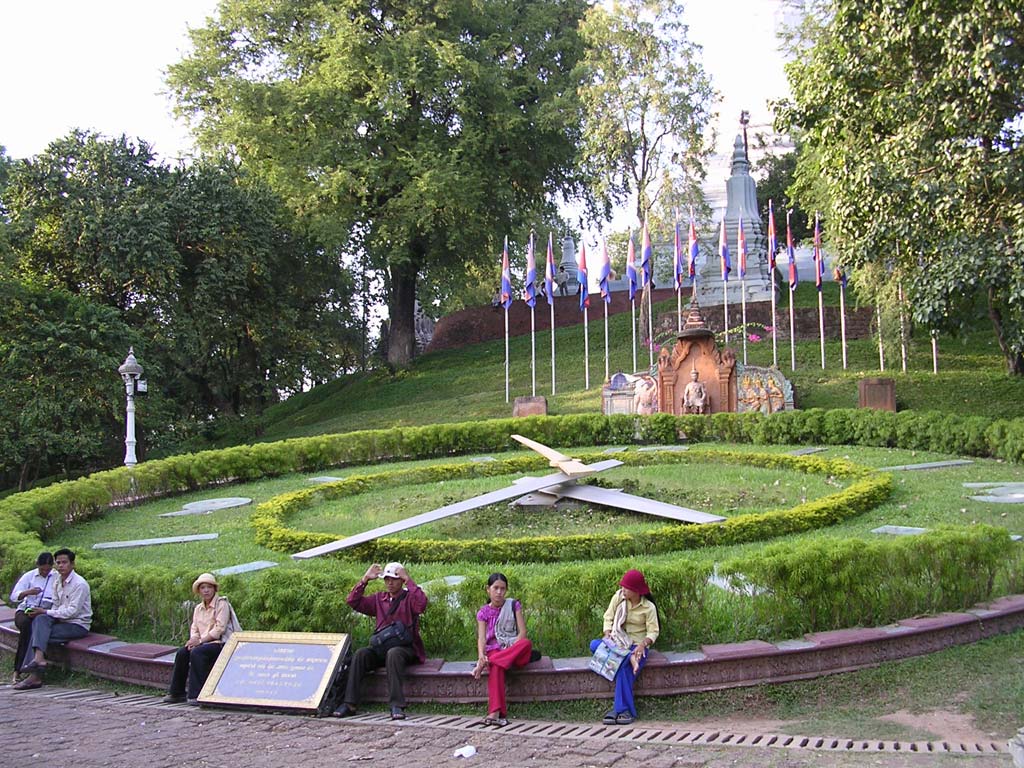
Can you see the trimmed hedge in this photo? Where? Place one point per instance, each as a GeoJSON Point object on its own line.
{"type": "Point", "coordinates": [870, 489]}
{"type": "Point", "coordinates": [153, 603]}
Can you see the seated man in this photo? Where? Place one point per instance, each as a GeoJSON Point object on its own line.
{"type": "Point", "coordinates": [68, 619]}
{"type": "Point", "coordinates": [401, 600]}
{"type": "Point", "coordinates": [33, 590]}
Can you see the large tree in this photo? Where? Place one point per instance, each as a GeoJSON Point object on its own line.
{"type": "Point", "coordinates": [232, 303]}
{"type": "Point", "coordinates": [414, 134]}
{"type": "Point", "coordinates": [913, 111]}
{"type": "Point", "coordinates": [647, 104]}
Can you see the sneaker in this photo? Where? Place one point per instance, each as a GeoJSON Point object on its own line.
{"type": "Point", "coordinates": [397, 713]}
{"type": "Point", "coordinates": [174, 698]}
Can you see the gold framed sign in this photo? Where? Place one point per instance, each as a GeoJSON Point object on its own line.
{"type": "Point", "coordinates": [289, 671]}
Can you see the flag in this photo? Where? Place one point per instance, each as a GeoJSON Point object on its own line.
{"type": "Point", "coordinates": [819, 257]}
{"type": "Point", "coordinates": [605, 272]}
{"type": "Point", "coordinates": [840, 275]}
{"type": "Point", "coordinates": [530, 289]}
{"type": "Point", "coordinates": [741, 246]}
{"type": "Point", "coordinates": [581, 275]}
{"type": "Point", "coordinates": [693, 249]}
{"type": "Point", "coordinates": [646, 256]}
{"type": "Point", "coordinates": [794, 278]}
{"type": "Point", "coordinates": [631, 267]}
{"type": "Point", "coordinates": [680, 270]}
{"type": "Point", "coordinates": [723, 253]}
{"type": "Point", "coordinates": [506, 279]}
{"type": "Point", "coordinates": [773, 245]}
{"type": "Point", "coordinates": [549, 273]}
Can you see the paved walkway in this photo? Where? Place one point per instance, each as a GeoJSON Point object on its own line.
{"type": "Point", "coordinates": [87, 729]}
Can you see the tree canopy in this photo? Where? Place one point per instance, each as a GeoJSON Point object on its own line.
{"type": "Point", "coordinates": [914, 114]}
{"type": "Point", "coordinates": [647, 103]}
{"type": "Point", "coordinates": [412, 135]}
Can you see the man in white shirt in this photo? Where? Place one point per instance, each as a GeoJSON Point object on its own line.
{"type": "Point", "coordinates": [68, 619]}
{"type": "Point", "coordinates": [34, 590]}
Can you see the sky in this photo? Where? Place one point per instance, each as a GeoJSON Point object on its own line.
{"type": "Point", "coordinates": [100, 66]}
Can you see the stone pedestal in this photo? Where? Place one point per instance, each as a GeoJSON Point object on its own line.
{"type": "Point", "coordinates": [530, 406]}
{"type": "Point", "coordinates": [877, 393]}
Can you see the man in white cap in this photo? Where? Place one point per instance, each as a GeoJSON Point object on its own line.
{"type": "Point", "coordinates": [401, 601]}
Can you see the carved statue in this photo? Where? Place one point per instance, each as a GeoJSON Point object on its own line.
{"type": "Point", "coordinates": [695, 396]}
{"type": "Point", "coordinates": [645, 397]}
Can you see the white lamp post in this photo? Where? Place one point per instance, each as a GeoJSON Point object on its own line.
{"type": "Point", "coordinates": [130, 371]}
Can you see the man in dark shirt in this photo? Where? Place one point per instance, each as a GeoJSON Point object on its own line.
{"type": "Point", "coordinates": [398, 586]}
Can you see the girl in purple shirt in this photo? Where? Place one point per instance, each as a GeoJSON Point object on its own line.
{"type": "Point", "coordinates": [501, 644]}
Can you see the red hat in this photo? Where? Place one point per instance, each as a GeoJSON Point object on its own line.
{"type": "Point", "coordinates": [635, 580]}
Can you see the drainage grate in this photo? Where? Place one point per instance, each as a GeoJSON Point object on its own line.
{"type": "Point", "coordinates": [582, 732]}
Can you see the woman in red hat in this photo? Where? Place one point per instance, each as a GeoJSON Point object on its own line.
{"type": "Point", "coordinates": [631, 622]}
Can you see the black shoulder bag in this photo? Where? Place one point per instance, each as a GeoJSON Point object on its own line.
{"type": "Point", "coordinates": [392, 635]}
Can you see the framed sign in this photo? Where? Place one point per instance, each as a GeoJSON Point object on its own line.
{"type": "Point", "coordinates": [289, 671]}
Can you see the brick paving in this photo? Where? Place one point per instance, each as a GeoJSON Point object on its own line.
{"type": "Point", "coordinates": [97, 731]}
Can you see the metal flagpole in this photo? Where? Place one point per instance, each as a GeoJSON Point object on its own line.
{"type": "Point", "coordinates": [775, 324]}
{"type": "Point", "coordinates": [632, 324]}
{"type": "Point", "coordinates": [741, 246]}
{"type": "Point", "coordinates": [935, 352]}
{"type": "Point", "coordinates": [533, 352]}
{"type": "Point", "coordinates": [606, 376]}
{"type": "Point", "coordinates": [792, 331]}
{"type": "Point", "coordinates": [819, 273]}
{"type": "Point", "coordinates": [842, 313]}
{"type": "Point", "coordinates": [821, 328]}
{"type": "Point", "coordinates": [552, 305]}
{"type": "Point", "coordinates": [586, 351]}
{"type": "Point", "coordinates": [881, 348]}
{"type": "Point", "coordinates": [549, 285]}
{"type": "Point", "coordinates": [903, 327]}
{"type": "Point", "coordinates": [772, 249]}
{"type": "Point", "coordinates": [506, 355]}
{"type": "Point", "coordinates": [650, 318]}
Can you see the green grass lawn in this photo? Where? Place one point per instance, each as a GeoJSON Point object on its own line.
{"type": "Point", "coordinates": [468, 383]}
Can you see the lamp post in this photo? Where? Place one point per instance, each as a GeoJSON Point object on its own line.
{"type": "Point", "coordinates": [130, 371]}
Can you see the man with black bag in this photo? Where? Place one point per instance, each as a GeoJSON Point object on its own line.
{"type": "Point", "coordinates": [396, 640]}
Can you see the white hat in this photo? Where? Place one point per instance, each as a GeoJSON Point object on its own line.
{"type": "Point", "coordinates": [391, 570]}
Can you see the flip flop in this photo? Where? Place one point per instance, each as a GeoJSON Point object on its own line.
{"type": "Point", "coordinates": [25, 685]}
{"type": "Point", "coordinates": [497, 722]}
{"type": "Point", "coordinates": [33, 666]}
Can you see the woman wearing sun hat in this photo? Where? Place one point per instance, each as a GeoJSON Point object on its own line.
{"type": "Point", "coordinates": [213, 622]}
{"type": "Point", "coordinates": [631, 622]}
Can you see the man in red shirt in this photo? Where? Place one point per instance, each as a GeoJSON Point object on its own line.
{"type": "Point", "coordinates": [400, 600]}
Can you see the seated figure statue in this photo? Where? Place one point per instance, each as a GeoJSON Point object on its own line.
{"type": "Point", "coordinates": [695, 396]}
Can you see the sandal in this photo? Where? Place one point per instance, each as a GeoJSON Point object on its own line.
{"type": "Point", "coordinates": [497, 722]}
{"type": "Point", "coordinates": [609, 717]}
{"type": "Point", "coordinates": [27, 685]}
{"type": "Point", "coordinates": [624, 718]}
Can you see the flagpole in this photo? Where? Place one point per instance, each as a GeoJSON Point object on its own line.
{"type": "Point", "coordinates": [533, 352]}
{"type": "Point", "coordinates": [743, 299]}
{"type": "Point", "coordinates": [842, 316]}
{"type": "Point", "coordinates": [903, 329]}
{"type": "Point", "coordinates": [775, 324]}
{"type": "Point", "coordinates": [819, 273]}
{"type": "Point", "coordinates": [725, 306]}
{"type": "Point", "coordinates": [632, 324]}
{"type": "Point", "coordinates": [792, 331]}
{"type": "Point", "coordinates": [606, 376]}
{"type": "Point", "coordinates": [821, 327]}
{"type": "Point", "coordinates": [586, 351]}
{"type": "Point", "coordinates": [679, 308]}
{"type": "Point", "coordinates": [506, 356]}
{"type": "Point", "coordinates": [650, 319]}
{"type": "Point", "coordinates": [552, 305]}
{"type": "Point", "coordinates": [881, 348]}
{"type": "Point", "coordinates": [935, 352]}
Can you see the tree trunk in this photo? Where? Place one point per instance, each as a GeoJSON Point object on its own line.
{"type": "Point", "coordinates": [1014, 360]}
{"type": "Point", "coordinates": [401, 308]}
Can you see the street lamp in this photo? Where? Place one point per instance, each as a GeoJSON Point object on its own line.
{"type": "Point", "coordinates": [130, 371]}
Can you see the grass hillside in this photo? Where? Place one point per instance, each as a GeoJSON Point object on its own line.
{"type": "Point", "coordinates": [468, 383]}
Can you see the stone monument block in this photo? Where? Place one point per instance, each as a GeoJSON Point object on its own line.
{"type": "Point", "coordinates": [530, 406]}
{"type": "Point", "coordinates": [877, 393]}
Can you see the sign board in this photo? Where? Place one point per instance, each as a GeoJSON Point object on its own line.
{"type": "Point", "coordinates": [282, 671]}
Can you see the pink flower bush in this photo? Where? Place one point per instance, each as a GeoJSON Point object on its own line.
{"type": "Point", "coordinates": [754, 337]}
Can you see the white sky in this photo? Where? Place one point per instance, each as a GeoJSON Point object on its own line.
{"type": "Point", "coordinates": [100, 66]}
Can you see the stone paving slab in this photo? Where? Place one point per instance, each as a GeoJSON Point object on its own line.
{"type": "Point", "coordinates": [807, 451]}
{"type": "Point", "coordinates": [1002, 498]}
{"type": "Point", "coordinates": [672, 448]}
{"type": "Point", "coordinates": [899, 530]}
{"type": "Point", "coordinates": [926, 465]}
{"type": "Point", "coordinates": [206, 506]}
{"type": "Point", "coordinates": [324, 479]}
{"type": "Point", "coordinates": [155, 542]}
{"type": "Point", "coordinates": [255, 565]}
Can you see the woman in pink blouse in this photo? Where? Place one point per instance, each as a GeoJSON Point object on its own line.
{"type": "Point", "coordinates": [501, 644]}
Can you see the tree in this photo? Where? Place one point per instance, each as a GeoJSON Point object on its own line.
{"type": "Point", "coordinates": [647, 104]}
{"type": "Point", "coordinates": [913, 112]}
{"type": "Point", "coordinates": [417, 133]}
{"type": "Point", "coordinates": [777, 185]}
{"type": "Point", "coordinates": [235, 302]}
{"type": "Point", "coordinates": [61, 396]}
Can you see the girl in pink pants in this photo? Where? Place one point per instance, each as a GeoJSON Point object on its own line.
{"type": "Point", "coordinates": [501, 644]}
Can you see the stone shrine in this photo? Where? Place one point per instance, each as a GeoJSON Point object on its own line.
{"type": "Point", "coordinates": [696, 350]}
{"type": "Point", "coordinates": [741, 197]}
